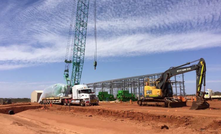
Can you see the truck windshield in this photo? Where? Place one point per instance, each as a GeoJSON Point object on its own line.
{"type": "Point", "coordinates": [85, 91]}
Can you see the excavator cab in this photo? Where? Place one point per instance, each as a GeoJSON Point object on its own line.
{"type": "Point", "coordinates": [168, 89]}
{"type": "Point", "coordinates": [151, 90]}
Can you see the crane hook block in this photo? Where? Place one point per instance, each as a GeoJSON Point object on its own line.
{"type": "Point", "coordinates": [95, 65]}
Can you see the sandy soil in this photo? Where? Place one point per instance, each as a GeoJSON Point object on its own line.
{"type": "Point", "coordinates": [109, 118]}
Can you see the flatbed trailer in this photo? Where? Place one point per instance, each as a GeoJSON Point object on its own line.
{"type": "Point", "coordinates": [80, 95]}
{"type": "Point", "coordinates": [68, 101]}
{"type": "Point", "coordinates": [54, 100]}
{"type": "Point", "coordinates": [209, 95]}
{"type": "Point", "coordinates": [214, 97]}
{"type": "Point", "coordinates": [165, 102]}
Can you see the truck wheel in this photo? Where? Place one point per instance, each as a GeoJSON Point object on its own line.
{"type": "Point", "coordinates": [65, 104]}
{"type": "Point", "coordinates": [82, 104]}
{"type": "Point", "coordinates": [139, 103]}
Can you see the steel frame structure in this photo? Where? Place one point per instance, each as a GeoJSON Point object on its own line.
{"type": "Point", "coordinates": [135, 85]}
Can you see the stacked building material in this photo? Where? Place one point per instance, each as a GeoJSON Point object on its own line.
{"type": "Point", "coordinates": [123, 95]}
{"type": "Point", "coordinates": [104, 96]}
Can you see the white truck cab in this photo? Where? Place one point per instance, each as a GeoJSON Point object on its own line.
{"type": "Point", "coordinates": [210, 95]}
{"type": "Point", "coordinates": [83, 95]}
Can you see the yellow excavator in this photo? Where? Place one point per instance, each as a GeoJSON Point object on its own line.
{"type": "Point", "coordinates": [160, 91]}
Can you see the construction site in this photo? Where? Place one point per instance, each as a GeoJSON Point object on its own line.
{"type": "Point", "coordinates": [149, 103]}
{"type": "Point", "coordinates": [111, 118]}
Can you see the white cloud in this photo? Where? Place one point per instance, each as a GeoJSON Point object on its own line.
{"type": "Point", "coordinates": [38, 33]}
{"type": "Point", "coordinates": [191, 14]}
{"type": "Point", "coordinates": [29, 54]}
{"type": "Point", "coordinates": [140, 44]}
{"type": "Point", "coordinates": [9, 67]}
{"type": "Point", "coordinates": [125, 45]}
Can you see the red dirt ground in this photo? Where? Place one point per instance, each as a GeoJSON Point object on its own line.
{"type": "Point", "coordinates": [109, 118]}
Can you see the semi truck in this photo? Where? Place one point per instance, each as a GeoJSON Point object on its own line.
{"type": "Point", "coordinates": [79, 94]}
{"type": "Point", "coordinates": [209, 95]}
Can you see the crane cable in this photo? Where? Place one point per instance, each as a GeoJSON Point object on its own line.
{"type": "Point", "coordinates": [95, 35]}
{"type": "Point", "coordinates": [69, 44]}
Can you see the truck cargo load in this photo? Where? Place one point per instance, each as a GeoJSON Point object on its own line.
{"type": "Point", "coordinates": [54, 91]}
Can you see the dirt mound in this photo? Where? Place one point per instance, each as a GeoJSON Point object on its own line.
{"type": "Point", "coordinates": [214, 125]}
{"type": "Point", "coordinates": [201, 120]}
{"type": "Point", "coordinates": [131, 115]}
{"type": "Point", "coordinates": [17, 108]}
{"type": "Point", "coordinates": [15, 104]}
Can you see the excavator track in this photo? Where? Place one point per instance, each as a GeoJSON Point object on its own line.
{"type": "Point", "coordinates": [166, 102]}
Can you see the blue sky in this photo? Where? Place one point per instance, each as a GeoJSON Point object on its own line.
{"type": "Point", "coordinates": [135, 37]}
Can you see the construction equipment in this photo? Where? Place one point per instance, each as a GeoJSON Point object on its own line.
{"type": "Point", "coordinates": [209, 95]}
{"type": "Point", "coordinates": [160, 91]}
{"type": "Point", "coordinates": [78, 44]}
{"type": "Point", "coordinates": [75, 93]}
{"type": "Point", "coordinates": [104, 96]}
{"type": "Point", "coordinates": [124, 95]}
{"type": "Point", "coordinates": [81, 95]}
{"type": "Point", "coordinates": [77, 41]}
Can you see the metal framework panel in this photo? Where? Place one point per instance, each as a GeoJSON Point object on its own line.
{"type": "Point", "coordinates": [134, 85]}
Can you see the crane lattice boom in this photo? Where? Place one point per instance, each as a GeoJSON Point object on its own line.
{"type": "Point", "coordinates": [80, 33]}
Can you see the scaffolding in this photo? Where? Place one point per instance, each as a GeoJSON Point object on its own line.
{"type": "Point", "coordinates": [135, 85]}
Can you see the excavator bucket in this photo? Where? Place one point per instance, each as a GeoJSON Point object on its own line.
{"type": "Point", "coordinates": [199, 104]}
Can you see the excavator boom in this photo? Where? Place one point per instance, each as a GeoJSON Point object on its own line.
{"type": "Point", "coordinates": [162, 91]}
